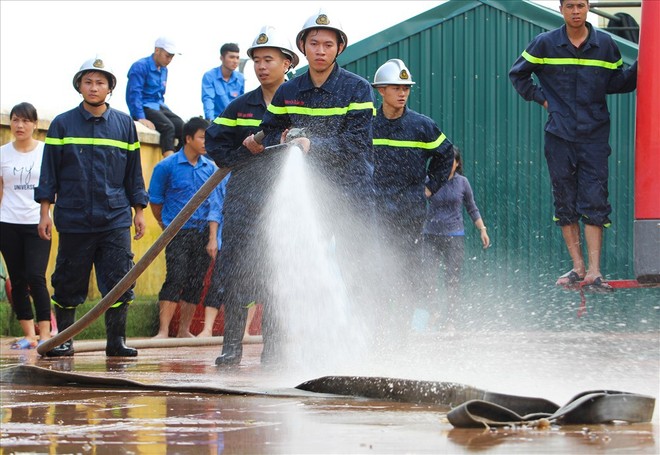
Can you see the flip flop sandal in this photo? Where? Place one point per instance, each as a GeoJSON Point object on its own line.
{"type": "Point", "coordinates": [569, 278]}
{"type": "Point", "coordinates": [23, 343]}
{"type": "Point", "coordinates": [598, 286]}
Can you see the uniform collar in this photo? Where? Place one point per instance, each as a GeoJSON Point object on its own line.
{"type": "Point", "coordinates": [592, 38]}
{"type": "Point", "coordinates": [89, 116]}
{"type": "Point", "coordinates": [328, 85]}
{"type": "Point", "coordinates": [152, 64]}
{"type": "Point", "coordinates": [256, 97]}
{"type": "Point", "coordinates": [182, 159]}
{"type": "Point", "coordinates": [405, 112]}
{"type": "Point", "coordinates": [218, 75]}
{"type": "Point", "coordinates": [180, 156]}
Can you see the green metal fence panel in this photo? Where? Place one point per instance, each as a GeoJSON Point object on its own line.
{"type": "Point", "coordinates": [459, 53]}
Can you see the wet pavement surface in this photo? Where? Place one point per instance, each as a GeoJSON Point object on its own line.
{"type": "Point", "coordinates": [274, 417]}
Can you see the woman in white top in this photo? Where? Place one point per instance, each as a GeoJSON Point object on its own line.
{"type": "Point", "coordinates": [24, 252]}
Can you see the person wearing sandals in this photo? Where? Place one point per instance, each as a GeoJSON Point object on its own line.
{"type": "Point", "coordinates": [25, 253]}
{"type": "Point", "coordinates": [576, 66]}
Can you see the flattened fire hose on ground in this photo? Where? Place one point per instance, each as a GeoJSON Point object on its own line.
{"type": "Point", "coordinates": [591, 407]}
{"type": "Point", "coordinates": [125, 283]}
{"type": "Point", "coordinates": [471, 407]}
{"type": "Point", "coordinates": [476, 408]}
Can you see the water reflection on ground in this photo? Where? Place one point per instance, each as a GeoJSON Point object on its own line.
{"type": "Point", "coordinates": [58, 419]}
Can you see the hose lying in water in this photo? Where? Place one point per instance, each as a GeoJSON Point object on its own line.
{"type": "Point", "coordinates": [476, 408]}
{"type": "Point", "coordinates": [154, 343]}
{"type": "Point", "coordinates": [471, 407]}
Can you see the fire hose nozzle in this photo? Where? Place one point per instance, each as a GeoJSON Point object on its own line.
{"type": "Point", "coordinates": [294, 133]}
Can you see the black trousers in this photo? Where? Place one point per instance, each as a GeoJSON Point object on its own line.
{"type": "Point", "coordinates": [26, 256]}
{"type": "Point", "coordinates": [169, 125]}
{"type": "Point", "coordinates": [109, 252]}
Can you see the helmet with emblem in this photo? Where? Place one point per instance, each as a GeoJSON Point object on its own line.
{"type": "Point", "coordinates": [392, 72]}
{"type": "Point", "coordinates": [94, 64]}
{"type": "Point", "coordinates": [271, 37]}
{"type": "Point", "coordinates": [320, 20]}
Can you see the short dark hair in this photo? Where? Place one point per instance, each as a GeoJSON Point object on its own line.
{"type": "Point", "coordinates": [304, 36]}
{"type": "Point", "coordinates": [561, 2]}
{"type": "Point", "coordinates": [193, 125]}
{"type": "Point", "coordinates": [458, 158]}
{"type": "Point", "coordinates": [229, 47]}
{"type": "Point", "coordinates": [24, 110]}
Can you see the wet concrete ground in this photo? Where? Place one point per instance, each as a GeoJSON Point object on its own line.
{"type": "Point", "coordinates": [280, 419]}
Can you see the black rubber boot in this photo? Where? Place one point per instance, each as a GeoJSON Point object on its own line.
{"type": "Point", "coordinates": [270, 332]}
{"type": "Point", "coordinates": [232, 343]}
{"type": "Point", "coordinates": [65, 318]}
{"type": "Point", "coordinates": [230, 356]}
{"type": "Point", "coordinates": [115, 329]}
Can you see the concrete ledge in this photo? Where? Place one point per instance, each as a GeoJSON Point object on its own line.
{"type": "Point", "coordinates": [146, 135]}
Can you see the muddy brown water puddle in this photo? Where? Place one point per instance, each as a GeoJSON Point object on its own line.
{"type": "Point", "coordinates": [66, 420]}
{"type": "Point", "coordinates": [59, 419]}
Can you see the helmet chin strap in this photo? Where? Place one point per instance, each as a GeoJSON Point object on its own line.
{"type": "Point", "coordinates": [101, 103]}
{"type": "Point", "coordinates": [95, 104]}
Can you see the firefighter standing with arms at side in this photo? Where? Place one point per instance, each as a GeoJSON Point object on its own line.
{"type": "Point", "coordinates": [411, 156]}
{"type": "Point", "coordinates": [91, 171]}
{"type": "Point", "coordinates": [576, 66]}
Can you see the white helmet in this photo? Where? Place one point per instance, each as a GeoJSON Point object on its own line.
{"type": "Point", "coordinates": [320, 20]}
{"type": "Point", "coordinates": [94, 64]}
{"type": "Point", "coordinates": [392, 72]}
{"type": "Point", "coordinates": [270, 37]}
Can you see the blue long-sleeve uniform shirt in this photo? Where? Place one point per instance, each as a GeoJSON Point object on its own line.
{"type": "Point", "coordinates": [91, 171]}
{"type": "Point", "coordinates": [175, 181]}
{"type": "Point", "coordinates": [338, 120]}
{"type": "Point", "coordinates": [218, 93]}
{"type": "Point", "coordinates": [145, 87]}
{"type": "Point", "coordinates": [574, 81]}
{"type": "Point", "coordinates": [215, 214]}
{"type": "Point", "coordinates": [407, 150]}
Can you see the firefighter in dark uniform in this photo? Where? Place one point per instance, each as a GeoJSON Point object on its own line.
{"type": "Point", "coordinates": [335, 108]}
{"type": "Point", "coordinates": [91, 171]}
{"type": "Point", "coordinates": [230, 142]}
{"type": "Point", "coordinates": [576, 66]}
{"type": "Point", "coordinates": [411, 156]}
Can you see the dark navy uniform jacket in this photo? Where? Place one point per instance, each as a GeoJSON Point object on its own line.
{"type": "Point", "coordinates": [406, 151]}
{"type": "Point", "coordinates": [251, 174]}
{"type": "Point", "coordinates": [574, 82]}
{"type": "Point", "coordinates": [91, 171]}
{"type": "Point", "coordinates": [337, 117]}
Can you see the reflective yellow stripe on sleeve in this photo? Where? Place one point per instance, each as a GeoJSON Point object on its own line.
{"type": "Point", "coordinates": [320, 111]}
{"type": "Point", "coordinates": [236, 122]}
{"type": "Point", "coordinates": [571, 61]}
{"type": "Point", "coordinates": [411, 144]}
{"type": "Point", "coordinates": [93, 141]}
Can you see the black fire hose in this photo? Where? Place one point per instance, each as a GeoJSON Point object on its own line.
{"type": "Point", "coordinates": [137, 270]}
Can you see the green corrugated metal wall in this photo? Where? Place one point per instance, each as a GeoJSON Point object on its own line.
{"type": "Point", "coordinates": [459, 53]}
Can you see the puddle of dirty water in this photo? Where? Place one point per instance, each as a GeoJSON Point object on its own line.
{"type": "Point", "coordinates": [38, 419]}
